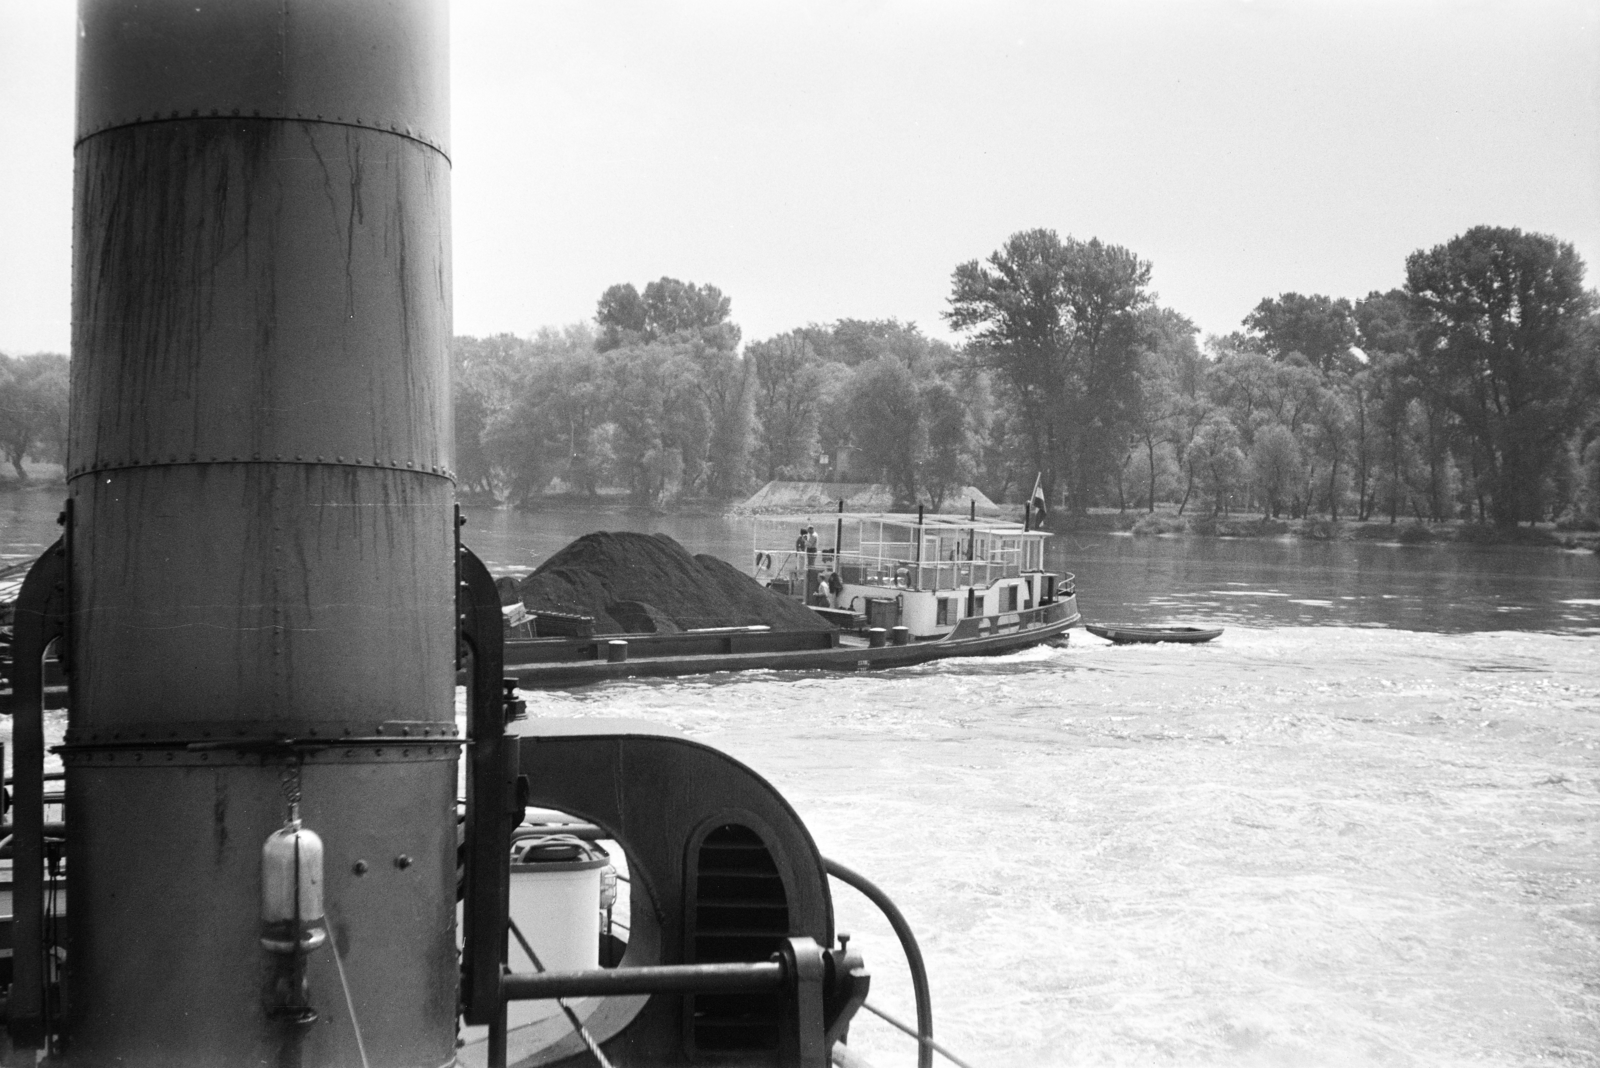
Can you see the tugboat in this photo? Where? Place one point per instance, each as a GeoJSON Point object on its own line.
{"type": "Point", "coordinates": [263, 850]}
{"type": "Point", "coordinates": [938, 576]}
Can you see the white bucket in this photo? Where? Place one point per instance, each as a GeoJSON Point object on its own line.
{"type": "Point", "coordinates": [555, 903]}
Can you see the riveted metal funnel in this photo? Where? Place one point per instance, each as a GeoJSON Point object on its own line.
{"type": "Point", "coordinates": [262, 551]}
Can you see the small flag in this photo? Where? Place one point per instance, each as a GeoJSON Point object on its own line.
{"type": "Point", "coordinates": [1036, 502]}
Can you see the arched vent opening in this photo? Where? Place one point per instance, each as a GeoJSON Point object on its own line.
{"type": "Point", "coordinates": [741, 913]}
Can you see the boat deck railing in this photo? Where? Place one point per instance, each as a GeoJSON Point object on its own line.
{"type": "Point", "coordinates": [864, 570]}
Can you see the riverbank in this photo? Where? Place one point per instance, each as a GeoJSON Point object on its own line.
{"type": "Point", "coordinates": [1405, 532]}
{"type": "Point", "coordinates": [1161, 523]}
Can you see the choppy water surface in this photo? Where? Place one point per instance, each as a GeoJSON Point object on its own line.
{"type": "Point", "coordinates": [1296, 846]}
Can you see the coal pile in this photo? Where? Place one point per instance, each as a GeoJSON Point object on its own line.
{"type": "Point", "coordinates": [632, 582]}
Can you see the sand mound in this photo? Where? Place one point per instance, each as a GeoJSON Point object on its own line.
{"type": "Point", "coordinates": [625, 579]}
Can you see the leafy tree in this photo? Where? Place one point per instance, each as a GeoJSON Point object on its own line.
{"type": "Point", "coordinates": [1383, 323]}
{"type": "Point", "coordinates": [33, 409]}
{"type": "Point", "coordinates": [835, 429]}
{"type": "Point", "coordinates": [1058, 323]}
{"type": "Point", "coordinates": [1276, 466]}
{"type": "Point", "coordinates": [1216, 460]}
{"type": "Point", "coordinates": [662, 426]}
{"type": "Point", "coordinates": [1332, 427]}
{"type": "Point", "coordinates": [487, 374]}
{"type": "Point", "coordinates": [949, 464]}
{"type": "Point", "coordinates": [471, 421]}
{"type": "Point", "coordinates": [536, 402]}
{"type": "Point", "coordinates": [622, 317]}
{"type": "Point", "coordinates": [890, 431]}
{"type": "Point", "coordinates": [1321, 329]}
{"type": "Point", "coordinates": [725, 388]}
{"type": "Point", "coordinates": [1499, 317]}
{"type": "Point", "coordinates": [1170, 369]}
{"type": "Point", "coordinates": [788, 395]}
{"type": "Point", "coordinates": [667, 309]}
{"type": "Point", "coordinates": [1390, 392]}
{"type": "Point", "coordinates": [1256, 390]}
{"type": "Point", "coordinates": [1003, 459]}
{"type": "Point", "coordinates": [854, 342]}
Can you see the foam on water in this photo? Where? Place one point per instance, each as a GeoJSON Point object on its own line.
{"type": "Point", "coordinates": [1296, 846]}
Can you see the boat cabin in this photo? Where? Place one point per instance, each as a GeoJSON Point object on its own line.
{"type": "Point", "coordinates": [923, 572]}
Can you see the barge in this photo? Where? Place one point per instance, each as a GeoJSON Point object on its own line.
{"type": "Point", "coordinates": [899, 589]}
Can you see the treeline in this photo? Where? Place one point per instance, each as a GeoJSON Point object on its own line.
{"type": "Point", "coordinates": [1472, 392]}
{"type": "Point", "coordinates": [656, 397]}
{"type": "Point", "coordinates": [33, 410]}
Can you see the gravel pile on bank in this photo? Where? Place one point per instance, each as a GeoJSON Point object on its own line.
{"type": "Point", "coordinates": [625, 578]}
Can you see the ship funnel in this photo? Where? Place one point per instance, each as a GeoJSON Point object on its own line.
{"type": "Point", "coordinates": [261, 546]}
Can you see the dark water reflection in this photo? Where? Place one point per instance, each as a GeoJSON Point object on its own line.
{"type": "Point", "coordinates": [1261, 582]}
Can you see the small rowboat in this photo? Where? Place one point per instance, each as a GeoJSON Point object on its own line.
{"type": "Point", "coordinates": [1121, 634]}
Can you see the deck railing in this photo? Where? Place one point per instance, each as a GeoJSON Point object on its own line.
{"type": "Point", "coordinates": [864, 570]}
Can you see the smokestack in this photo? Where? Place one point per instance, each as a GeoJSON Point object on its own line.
{"type": "Point", "coordinates": [262, 546]}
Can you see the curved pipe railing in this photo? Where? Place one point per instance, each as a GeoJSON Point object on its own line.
{"type": "Point", "coordinates": [908, 944]}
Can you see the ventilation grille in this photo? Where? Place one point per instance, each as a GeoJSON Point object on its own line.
{"type": "Point", "coordinates": [741, 914]}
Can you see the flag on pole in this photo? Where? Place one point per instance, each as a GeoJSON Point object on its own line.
{"type": "Point", "coordinates": [1036, 502]}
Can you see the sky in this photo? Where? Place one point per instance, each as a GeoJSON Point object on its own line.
{"type": "Point", "coordinates": [832, 160]}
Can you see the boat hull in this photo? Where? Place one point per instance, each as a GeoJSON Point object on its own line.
{"type": "Point", "coordinates": [977, 636]}
{"type": "Point", "coordinates": [1142, 635]}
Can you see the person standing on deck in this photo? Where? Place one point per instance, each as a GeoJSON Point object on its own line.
{"type": "Point", "coordinates": [836, 588]}
{"type": "Point", "coordinates": [811, 546]}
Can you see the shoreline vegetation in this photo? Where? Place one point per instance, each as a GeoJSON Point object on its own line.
{"type": "Point", "coordinates": [1411, 531]}
{"type": "Point", "coordinates": [1164, 522]}
{"type": "Point", "coordinates": [1467, 402]}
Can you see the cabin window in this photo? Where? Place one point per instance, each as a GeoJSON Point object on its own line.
{"type": "Point", "coordinates": [1008, 599]}
{"type": "Point", "coordinates": [741, 913]}
{"type": "Point", "coordinates": [947, 612]}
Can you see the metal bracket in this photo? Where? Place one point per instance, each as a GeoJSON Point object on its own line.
{"type": "Point", "coordinates": [492, 809]}
{"type": "Point", "coordinates": [41, 616]}
{"type": "Point", "coordinates": [845, 993]}
{"type": "Point", "coordinates": [801, 1038]}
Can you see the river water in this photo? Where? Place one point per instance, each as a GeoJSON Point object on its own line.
{"type": "Point", "coordinates": [1360, 828]}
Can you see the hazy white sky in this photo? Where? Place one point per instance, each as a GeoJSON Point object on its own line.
{"type": "Point", "coordinates": [828, 160]}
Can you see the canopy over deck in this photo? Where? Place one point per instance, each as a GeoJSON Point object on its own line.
{"type": "Point", "coordinates": [929, 522]}
{"type": "Point", "coordinates": [931, 551]}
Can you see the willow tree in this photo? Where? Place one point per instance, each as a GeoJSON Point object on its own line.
{"type": "Point", "coordinates": [1499, 317]}
{"type": "Point", "coordinates": [1057, 320]}
{"type": "Point", "coordinates": [788, 397]}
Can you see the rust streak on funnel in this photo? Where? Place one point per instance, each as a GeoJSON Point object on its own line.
{"type": "Point", "coordinates": [260, 468]}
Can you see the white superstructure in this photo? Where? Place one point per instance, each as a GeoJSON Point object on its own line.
{"type": "Point", "coordinates": [922, 571]}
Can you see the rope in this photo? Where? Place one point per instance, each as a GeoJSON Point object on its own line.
{"type": "Point", "coordinates": [289, 781]}
{"type": "Point", "coordinates": [908, 1029]}
{"type": "Point", "coordinates": [572, 1017]}
{"type": "Point", "coordinates": [361, 1047]}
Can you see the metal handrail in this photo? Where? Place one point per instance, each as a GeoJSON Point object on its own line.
{"type": "Point", "coordinates": [908, 945]}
